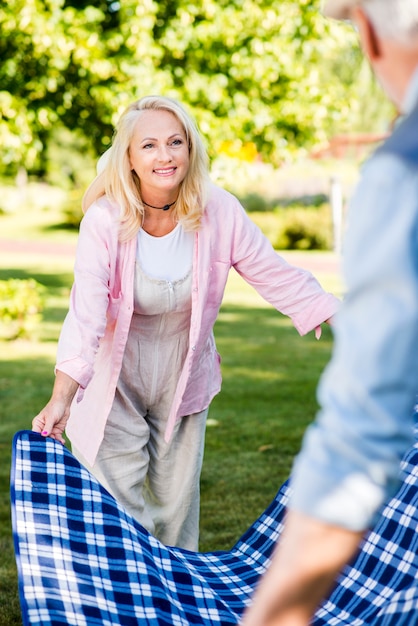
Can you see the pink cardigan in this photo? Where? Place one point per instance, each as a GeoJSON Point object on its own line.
{"type": "Point", "coordinates": [95, 330]}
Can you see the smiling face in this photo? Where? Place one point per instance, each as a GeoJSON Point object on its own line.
{"type": "Point", "coordinates": [159, 154]}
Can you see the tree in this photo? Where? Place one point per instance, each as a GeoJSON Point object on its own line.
{"type": "Point", "coordinates": [51, 58]}
{"type": "Point", "coordinates": [251, 71]}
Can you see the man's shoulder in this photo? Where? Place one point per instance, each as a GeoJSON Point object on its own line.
{"type": "Point", "coordinates": [403, 142]}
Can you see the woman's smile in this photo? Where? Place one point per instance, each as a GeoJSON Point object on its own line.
{"type": "Point", "coordinates": [166, 171]}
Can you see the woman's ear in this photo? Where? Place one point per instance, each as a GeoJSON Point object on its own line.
{"type": "Point", "coordinates": [368, 38]}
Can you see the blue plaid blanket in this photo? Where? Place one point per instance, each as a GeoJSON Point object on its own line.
{"type": "Point", "coordinates": [83, 560]}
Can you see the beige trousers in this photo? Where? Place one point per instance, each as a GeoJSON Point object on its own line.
{"type": "Point", "coordinates": [157, 482]}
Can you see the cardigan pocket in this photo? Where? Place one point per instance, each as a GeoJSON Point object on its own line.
{"type": "Point", "coordinates": [113, 309]}
{"type": "Point", "coordinates": [215, 284]}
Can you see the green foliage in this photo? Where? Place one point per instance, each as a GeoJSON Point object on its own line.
{"type": "Point", "coordinates": [301, 225]}
{"type": "Point", "coordinates": [268, 222]}
{"type": "Point", "coordinates": [72, 209]}
{"type": "Point", "coordinates": [276, 75]}
{"type": "Point", "coordinates": [69, 162]}
{"type": "Point", "coordinates": [21, 305]}
{"type": "Point", "coordinates": [52, 57]}
{"type": "Point", "coordinates": [255, 202]}
{"type": "Point", "coordinates": [305, 229]}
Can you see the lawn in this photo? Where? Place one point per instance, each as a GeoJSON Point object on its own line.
{"type": "Point", "coordinates": [255, 424]}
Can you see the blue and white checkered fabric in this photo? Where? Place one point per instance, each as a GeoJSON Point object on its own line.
{"type": "Point", "coordinates": [82, 560]}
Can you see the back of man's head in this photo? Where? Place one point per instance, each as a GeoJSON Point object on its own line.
{"type": "Point", "coordinates": [394, 19]}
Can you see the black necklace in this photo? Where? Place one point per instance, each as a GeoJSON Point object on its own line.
{"type": "Point", "coordinates": [162, 208]}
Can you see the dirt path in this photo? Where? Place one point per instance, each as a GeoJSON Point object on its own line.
{"type": "Point", "coordinates": [9, 246]}
{"type": "Point", "coordinates": [328, 262]}
{"type": "Point", "coordinates": [316, 262]}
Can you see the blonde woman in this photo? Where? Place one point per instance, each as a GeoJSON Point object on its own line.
{"type": "Point", "coordinates": [137, 365]}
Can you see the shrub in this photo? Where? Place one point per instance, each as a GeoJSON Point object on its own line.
{"type": "Point", "coordinates": [72, 209]}
{"type": "Point", "coordinates": [21, 306]}
{"type": "Point", "coordinates": [305, 229]}
{"type": "Point", "coordinates": [269, 223]}
{"type": "Point", "coordinates": [255, 202]}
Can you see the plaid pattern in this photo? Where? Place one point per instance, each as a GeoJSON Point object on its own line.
{"type": "Point", "coordinates": [82, 560]}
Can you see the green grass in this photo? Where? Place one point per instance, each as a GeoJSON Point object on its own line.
{"type": "Point", "coordinates": [255, 424]}
{"type": "Point", "coordinates": [26, 376]}
{"type": "Point", "coordinates": [267, 399]}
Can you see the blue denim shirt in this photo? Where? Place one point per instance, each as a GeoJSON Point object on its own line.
{"type": "Point", "coordinates": [349, 464]}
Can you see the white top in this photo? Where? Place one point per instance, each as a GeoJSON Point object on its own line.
{"type": "Point", "coordinates": [167, 258]}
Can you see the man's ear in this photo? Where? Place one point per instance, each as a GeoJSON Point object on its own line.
{"type": "Point", "coordinates": [369, 40]}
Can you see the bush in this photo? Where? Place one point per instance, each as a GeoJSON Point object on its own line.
{"type": "Point", "coordinates": [255, 202]}
{"type": "Point", "coordinates": [72, 209]}
{"type": "Point", "coordinates": [297, 228]}
{"type": "Point", "coordinates": [21, 306]}
{"type": "Point", "coordinates": [305, 229]}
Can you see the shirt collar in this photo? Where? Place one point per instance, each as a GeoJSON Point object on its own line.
{"type": "Point", "coordinates": [411, 97]}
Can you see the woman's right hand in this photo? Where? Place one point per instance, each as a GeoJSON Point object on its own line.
{"type": "Point", "coordinates": [51, 421]}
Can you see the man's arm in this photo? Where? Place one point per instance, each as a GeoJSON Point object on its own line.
{"type": "Point", "coordinates": [304, 567]}
{"type": "Point", "coordinates": [349, 462]}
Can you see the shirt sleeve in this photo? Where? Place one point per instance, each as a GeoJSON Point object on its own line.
{"type": "Point", "coordinates": [293, 291]}
{"type": "Point", "coordinates": [350, 458]}
{"type": "Point", "coordinates": [85, 322]}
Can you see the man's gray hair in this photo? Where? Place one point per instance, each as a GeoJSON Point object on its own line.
{"type": "Point", "coordinates": [395, 19]}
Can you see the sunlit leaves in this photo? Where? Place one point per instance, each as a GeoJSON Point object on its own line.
{"type": "Point", "coordinates": [274, 74]}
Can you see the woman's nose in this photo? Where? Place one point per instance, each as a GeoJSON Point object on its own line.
{"type": "Point", "coordinates": [164, 153]}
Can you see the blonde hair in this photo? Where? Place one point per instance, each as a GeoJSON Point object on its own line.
{"type": "Point", "coordinates": [122, 185]}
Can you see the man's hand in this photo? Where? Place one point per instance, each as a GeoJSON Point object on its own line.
{"type": "Point", "coordinates": [308, 559]}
